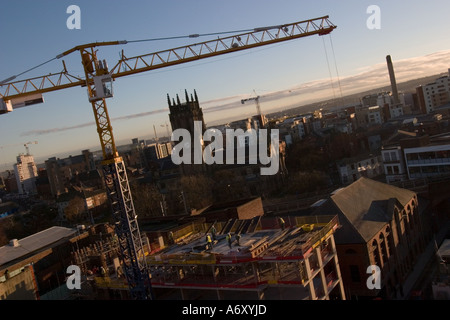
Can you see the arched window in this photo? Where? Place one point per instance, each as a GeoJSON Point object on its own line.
{"type": "Point", "coordinates": [383, 244]}
{"type": "Point", "coordinates": [411, 221]}
{"type": "Point", "coordinates": [397, 217]}
{"type": "Point", "coordinates": [376, 253]}
{"type": "Point", "coordinates": [390, 241]}
{"type": "Point", "coordinates": [350, 252]}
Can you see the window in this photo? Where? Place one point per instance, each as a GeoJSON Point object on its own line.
{"type": "Point", "coordinates": [376, 253]}
{"type": "Point", "coordinates": [383, 246]}
{"type": "Point", "coordinates": [387, 157]}
{"type": "Point", "coordinates": [394, 156]}
{"type": "Point", "coordinates": [354, 273]}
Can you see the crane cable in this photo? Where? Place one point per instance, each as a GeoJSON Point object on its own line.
{"type": "Point", "coordinates": [329, 69]}
{"type": "Point", "coordinates": [18, 75]}
{"type": "Point", "coordinates": [335, 65]}
{"type": "Point", "coordinates": [195, 35]}
{"type": "Point", "coordinates": [336, 68]}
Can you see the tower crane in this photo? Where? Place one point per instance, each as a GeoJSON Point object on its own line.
{"type": "Point", "coordinates": [256, 99]}
{"type": "Point", "coordinates": [28, 148]}
{"type": "Point", "coordinates": [98, 80]}
{"type": "Point", "coordinates": [24, 144]}
{"type": "Point", "coordinates": [261, 118]}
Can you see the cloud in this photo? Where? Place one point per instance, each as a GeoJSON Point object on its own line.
{"type": "Point", "coordinates": [375, 76]}
{"type": "Point", "coordinates": [55, 130]}
{"type": "Point", "coordinates": [142, 114]}
{"type": "Point", "coordinates": [92, 123]}
{"type": "Point", "coordinates": [366, 78]}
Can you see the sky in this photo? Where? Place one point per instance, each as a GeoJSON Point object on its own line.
{"type": "Point", "coordinates": [301, 71]}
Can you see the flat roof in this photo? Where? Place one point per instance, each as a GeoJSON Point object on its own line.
{"type": "Point", "coordinates": [34, 243]}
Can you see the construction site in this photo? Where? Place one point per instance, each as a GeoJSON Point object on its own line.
{"type": "Point", "coordinates": [269, 258]}
{"type": "Point", "coordinates": [264, 259]}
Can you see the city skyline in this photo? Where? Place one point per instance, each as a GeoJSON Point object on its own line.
{"type": "Point", "coordinates": [293, 73]}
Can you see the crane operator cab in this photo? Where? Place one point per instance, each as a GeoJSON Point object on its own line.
{"type": "Point", "coordinates": [102, 87]}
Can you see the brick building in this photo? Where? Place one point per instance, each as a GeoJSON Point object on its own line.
{"type": "Point", "coordinates": [241, 209]}
{"type": "Point", "coordinates": [380, 225]}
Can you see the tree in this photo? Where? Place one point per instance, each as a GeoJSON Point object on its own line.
{"type": "Point", "coordinates": [75, 210]}
{"type": "Point", "coordinates": [229, 186]}
{"type": "Point", "coordinates": [38, 218]}
{"type": "Point", "coordinates": [303, 182]}
{"type": "Point", "coordinates": [303, 157]}
{"type": "Point", "coordinates": [341, 145]}
{"type": "Point", "coordinates": [147, 200]}
{"type": "Point", "coordinates": [197, 191]}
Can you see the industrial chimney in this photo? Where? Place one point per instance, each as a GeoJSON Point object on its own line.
{"type": "Point", "coordinates": [393, 82]}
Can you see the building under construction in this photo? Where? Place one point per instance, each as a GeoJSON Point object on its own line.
{"type": "Point", "coordinates": [265, 258]}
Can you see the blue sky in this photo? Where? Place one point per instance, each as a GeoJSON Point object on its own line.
{"type": "Point", "coordinates": [414, 33]}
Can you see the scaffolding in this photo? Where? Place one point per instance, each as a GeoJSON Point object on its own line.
{"type": "Point", "coordinates": [104, 252]}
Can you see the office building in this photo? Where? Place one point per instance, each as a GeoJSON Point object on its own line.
{"type": "Point", "coordinates": [26, 173]}
{"type": "Point", "coordinates": [61, 171]}
{"type": "Point", "coordinates": [434, 95]}
{"type": "Point", "coordinates": [412, 157]}
{"type": "Point", "coordinates": [375, 115]}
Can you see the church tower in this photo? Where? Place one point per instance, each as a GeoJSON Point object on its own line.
{"type": "Point", "coordinates": [182, 116]}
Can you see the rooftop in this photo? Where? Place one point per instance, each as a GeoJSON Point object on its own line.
{"type": "Point", "coordinates": [33, 243]}
{"type": "Point", "coordinates": [367, 206]}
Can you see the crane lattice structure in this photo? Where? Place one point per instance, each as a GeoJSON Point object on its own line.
{"type": "Point", "coordinates": [98, 79]}
{"type": "Point", "coordinates": [256, 99]}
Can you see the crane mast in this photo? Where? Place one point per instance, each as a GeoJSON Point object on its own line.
{"type": "Point", "coordinates": [116, 181]}
{"type": "Point", "coordinates": [98, 80]}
